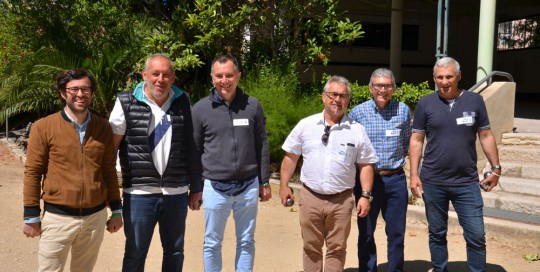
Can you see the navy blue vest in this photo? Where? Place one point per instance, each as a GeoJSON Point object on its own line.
{"type": "Point", "coordinates": [135, 156]}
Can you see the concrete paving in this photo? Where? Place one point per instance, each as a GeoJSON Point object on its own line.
{"type": "Point", "coordinates": [527, 125]}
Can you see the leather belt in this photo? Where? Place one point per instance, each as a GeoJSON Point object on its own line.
{"type": "Point", "coordinates": [388, 172]}
{"type": "Point", "coordinates": [324, 196]}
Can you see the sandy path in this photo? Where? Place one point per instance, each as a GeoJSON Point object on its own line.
{"type": "Point", "coordinates": [278, 239]}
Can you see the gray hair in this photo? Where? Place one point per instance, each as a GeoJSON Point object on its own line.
{"type": "Point", "coordinates": [382, 72]}
{"type": "Point", "coordinates": [445, 62]}
{"type": "Point", "coordinates": [340, 80]}
{"type": "Point", "coordinates": [158, 55]}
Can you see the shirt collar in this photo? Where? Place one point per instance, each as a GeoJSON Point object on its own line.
{"type": "Point", "coordinates": [85, 123]}
{"type": "Point", "coordinates": [376, 108]}
{"type": "Point", "coordinates": [345, 120]}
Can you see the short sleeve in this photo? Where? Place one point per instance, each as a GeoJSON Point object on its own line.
{"type": "Point", "coordinates": [117, 119]}
{"type": "Point", "coordinates": [293, 143]}
{"type": "Point", "coordinates": [419, 120]}
{"type": "Point", "coordinates": [366, 152]}
{"type": "Point", "coordinates": [483, 118]}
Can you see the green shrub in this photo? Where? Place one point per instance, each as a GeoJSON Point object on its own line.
{"type": "Point", "coordinates": [279, 91]}
{"type": "Point", "coordinates": [359, 94]}
{"type": "Point", "coordinates": [410, 94]}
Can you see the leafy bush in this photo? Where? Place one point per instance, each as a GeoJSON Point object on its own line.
{"type": "Point", "coordinates": [279, 91]}
{"type": "Point", "coordinates": [410, 94]}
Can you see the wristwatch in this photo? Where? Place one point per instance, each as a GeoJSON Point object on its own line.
{"type": "Point", "coordinates": [367, 195]}
{"type": "Point", "coordinates": [496, 167]}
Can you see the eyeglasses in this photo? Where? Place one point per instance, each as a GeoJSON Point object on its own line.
{"type": "Point", "coordinates": [326, 134]}
{"type": "Point", "coordinates": [379, 87]}
{"type": "Point", "coordinates": [333, 95]}
{"type": "Point", "coordinates": [75, 90]}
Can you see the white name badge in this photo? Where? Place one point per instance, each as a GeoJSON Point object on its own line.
{"type": "Point", "coordinates": [467, 120]}
{"type": "Point", "coordinates": [240, 122]}
{"type": "Point", "coordinates": [393, 132]}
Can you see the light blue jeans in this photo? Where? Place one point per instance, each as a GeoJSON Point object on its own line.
{"type": "Point", "coordinates": [217, 207]}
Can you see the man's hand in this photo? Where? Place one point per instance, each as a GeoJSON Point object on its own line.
{"type": "Point", "coordinates": [416, 186]}
{"type": "Point", "coordinates": [32, 229]}
{"type": "Point", "coordinates": [284, 193]}
{"type": "Point", "coordinates": [265, 193]}
{"type": "Point", "coordinates": [114, 224]}
{"type": "Point", "coordinates": [195, 201]}
{"type": "Point", "coordinates": [363, 207]}
{"type": "Point", "coordinates": [492, 181]}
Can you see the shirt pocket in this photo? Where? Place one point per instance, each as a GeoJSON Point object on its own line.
{"type": "Point", "coordinates": [346, 153]}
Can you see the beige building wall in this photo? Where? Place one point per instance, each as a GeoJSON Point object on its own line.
{"type": "Point", "coordinates": [500, 100]}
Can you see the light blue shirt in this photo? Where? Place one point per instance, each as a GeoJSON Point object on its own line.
{"type": "Point", "coordinates": [389, 131]}
{"type": "Point", "coordinates": [81, 129]}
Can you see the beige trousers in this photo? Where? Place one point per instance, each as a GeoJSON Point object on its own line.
{"type": "Point", "coordinates": [325, 218]}
{"type": "Point", "coordinates": [60, 233]}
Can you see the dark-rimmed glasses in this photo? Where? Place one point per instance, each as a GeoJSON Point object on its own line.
{"type": "Point", "coordinates": [75, 90]}
{"type": "Point", "coordinates": [334, 95]}
{"type": "Point", "coordinates": [379, 87]}
{"type": "Point", "coordinates": [324, 137]}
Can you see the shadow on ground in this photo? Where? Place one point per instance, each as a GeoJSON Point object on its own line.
{"type": "Point", "coordinates": [425, 266]}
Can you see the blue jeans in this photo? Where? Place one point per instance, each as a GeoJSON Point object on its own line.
{"type": "Point", "coordinates": [468, 204]}
{"type": "Point", "coordinates": [141, 213]}
{"type": "Point", "coordinates": [390, 197]}
{"type": "Point", "coordinates": [217, 207]}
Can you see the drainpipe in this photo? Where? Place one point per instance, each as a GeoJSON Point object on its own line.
{"type": "Point", "coordinates": [442, 30]}
{"type": "Point", "coordinates": [486, 39]}
{"type": "Point", "coordinates": [396, 34]}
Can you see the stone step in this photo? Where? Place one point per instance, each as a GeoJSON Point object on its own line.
{"type": "Point", "coordinates": [529, 187]}
{"type": "Point", "coordinates": [512, 202]}
{"type": "Point", "coordinates": [521, 139]}
{"type": "Point", "coordinates": [529, 154]}
{"type": "Point", "coordinates": [519, 169]}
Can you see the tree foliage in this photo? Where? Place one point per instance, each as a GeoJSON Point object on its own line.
{"type": "Point", "coordinates": [257, 30]}
{"type": "Point", "coordinates": [111, 38]}
{"type": "Point", "coordinates": [44, 37]}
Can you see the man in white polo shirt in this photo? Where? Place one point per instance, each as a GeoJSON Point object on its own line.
{"type": "Point", "coordinates": [332, 146]}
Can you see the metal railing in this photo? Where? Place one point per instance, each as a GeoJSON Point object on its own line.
{"type": "Point", "coordinates": [489, 79]}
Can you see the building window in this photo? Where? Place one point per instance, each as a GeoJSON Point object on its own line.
{"type": "Point", "coordinates": [519, 34]}
{"type": "Point", "coordinates": [378, 35]}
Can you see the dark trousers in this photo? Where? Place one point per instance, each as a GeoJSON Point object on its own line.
{"type": "Point", "coordinates": [141, 214]}
{"type": "Point", "coordinates": [390, 197]}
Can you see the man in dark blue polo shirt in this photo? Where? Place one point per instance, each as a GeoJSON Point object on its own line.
{"type": "Point", "coordinates": [451, 119]}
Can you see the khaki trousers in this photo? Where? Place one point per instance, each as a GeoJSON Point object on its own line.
{"type": "Point", "coordinates": [325, 218]}
{"type": "Point", "coordinates": [60, 233]}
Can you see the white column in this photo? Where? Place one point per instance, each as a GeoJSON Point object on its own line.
{"type": "Point", "coordinates": [486, 38]}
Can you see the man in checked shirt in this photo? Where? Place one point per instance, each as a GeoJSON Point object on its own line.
{"type": "Point", "coordinates": [388, 126]}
